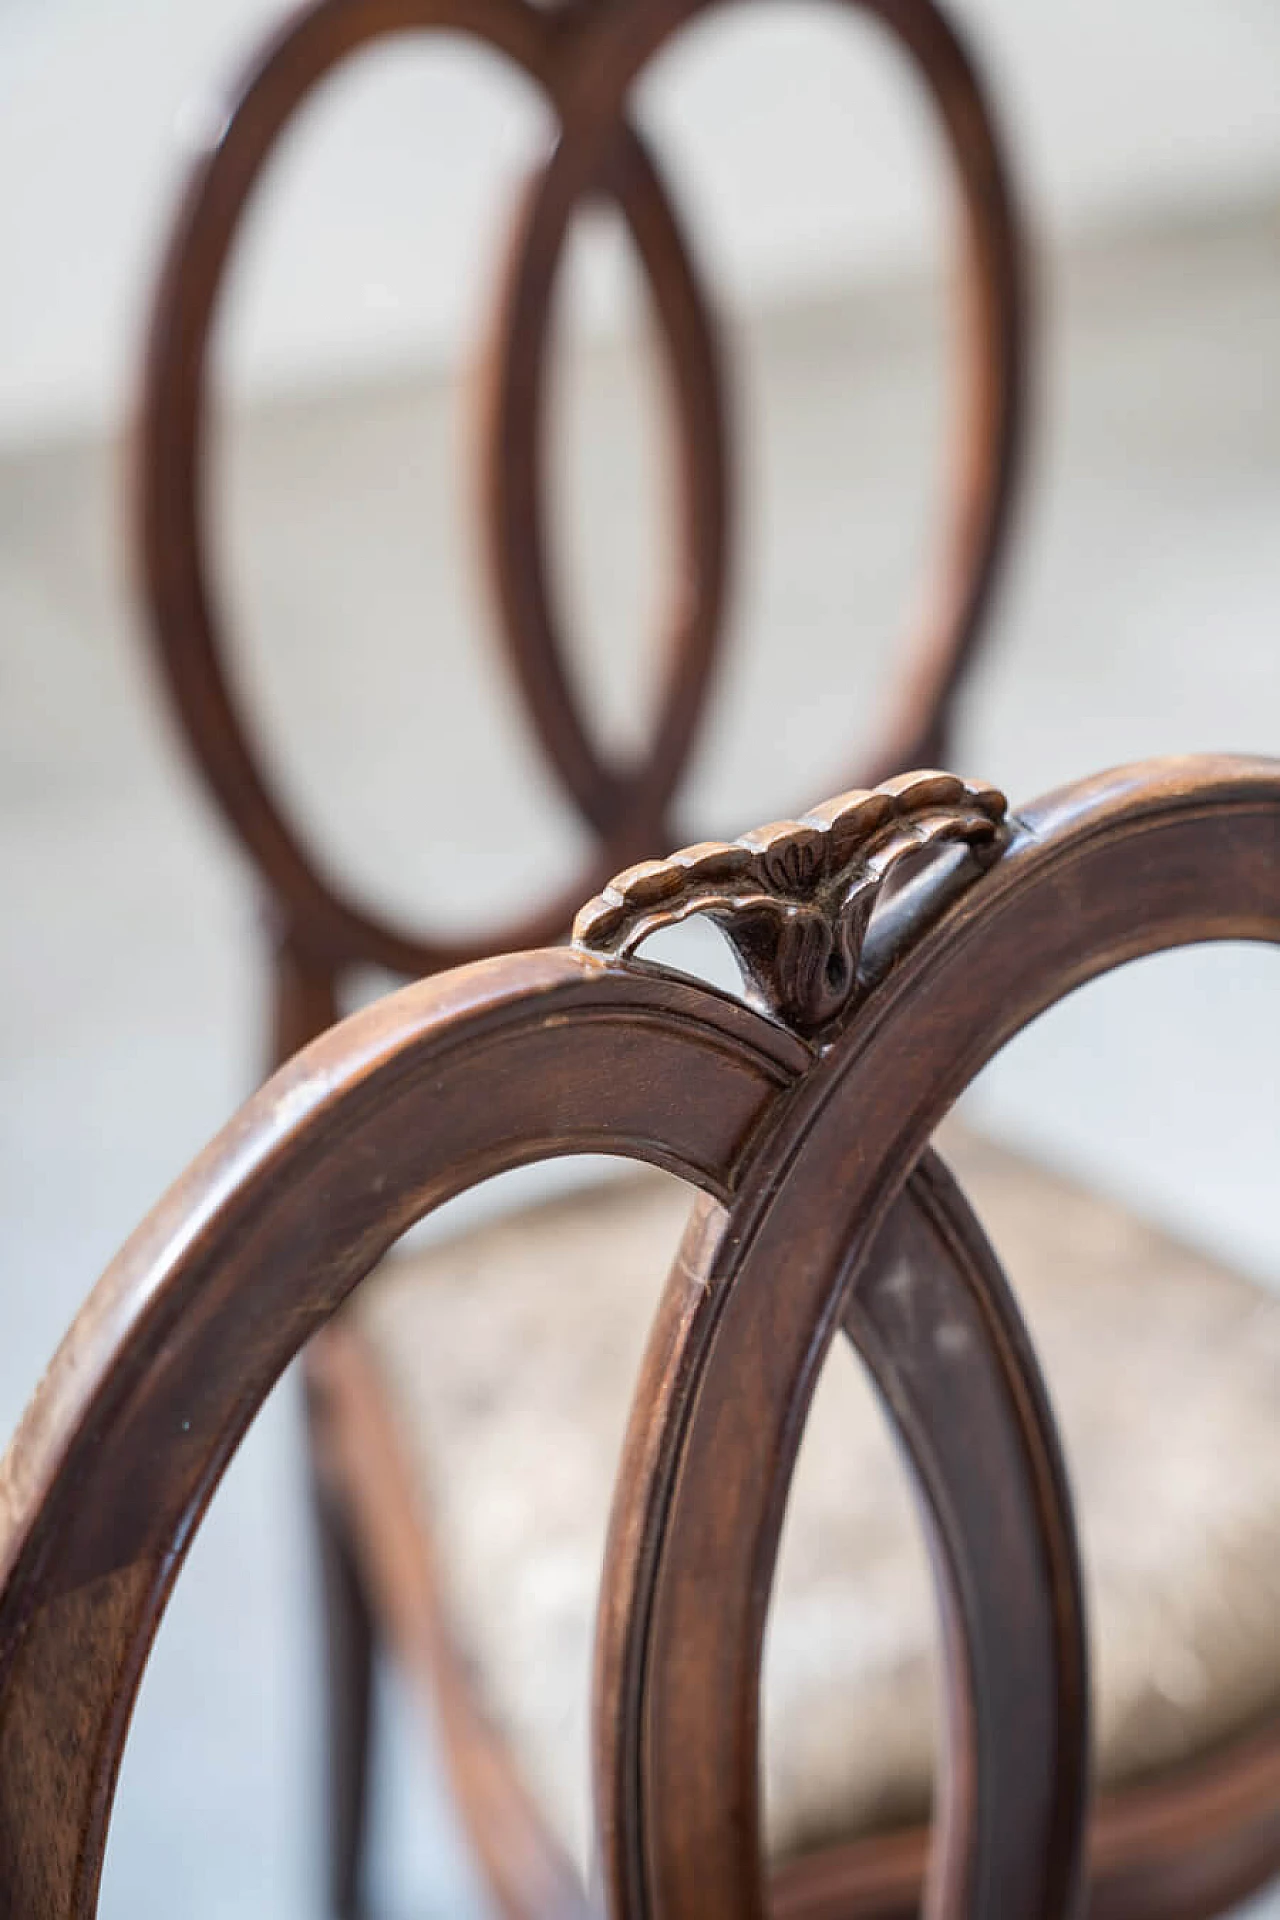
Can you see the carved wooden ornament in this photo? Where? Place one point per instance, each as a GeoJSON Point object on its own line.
{"type": "Point", "coordinates": [795, 899]}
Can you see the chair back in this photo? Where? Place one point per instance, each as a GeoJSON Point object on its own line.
{"type": "Point", "coordinates": [586, 61]}
{"type": "Point", "coordinates": [891, 941]}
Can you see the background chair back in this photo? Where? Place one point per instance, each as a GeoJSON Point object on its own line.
{"type": "Point", "coordinates": [586, 61]}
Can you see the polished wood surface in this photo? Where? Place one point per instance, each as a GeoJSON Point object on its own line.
{"type": "Point", "coordinates": [813, 1161]}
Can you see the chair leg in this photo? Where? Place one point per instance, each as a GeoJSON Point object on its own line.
{"type": "Point", "coordinates": [349, 1654]}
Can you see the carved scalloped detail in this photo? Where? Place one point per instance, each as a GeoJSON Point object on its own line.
{"type": "Point", "coordinates": [795, 898]}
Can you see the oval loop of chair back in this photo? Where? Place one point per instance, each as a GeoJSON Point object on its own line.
{"type": "Point", "coordinates": [931, 1314]}
{"type": "Point", "coordinates": [586, 61]}
{"type": "Point", "coordinates": [822, 1210]}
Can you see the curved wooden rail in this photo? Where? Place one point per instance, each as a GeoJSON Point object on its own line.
{"type": "Point", "coordinates": [1137, 860]}
{"type": "Point", "coordinates": [389, 1114]}
{"type": "Point", "coordinates": [933, 1318]}
{"type": "Point", "coordinates": [510, 1060]}
{"type": "Point", "coordinates": [586, 61]}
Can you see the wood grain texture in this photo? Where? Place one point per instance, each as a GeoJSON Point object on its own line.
{"type": "Point", "coordinates": [806, 1156]}
{"type": "Point", "coordinates": [795, 899]}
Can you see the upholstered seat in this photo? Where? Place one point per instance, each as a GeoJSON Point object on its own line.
{"type": "Point", "coordinates": [509, 1357]}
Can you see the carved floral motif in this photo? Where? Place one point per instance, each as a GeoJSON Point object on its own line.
{"type": "Point", "coordinates": [795, 899]}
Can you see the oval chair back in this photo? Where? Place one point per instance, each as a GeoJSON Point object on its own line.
{"type": "Point", "coordinates": [586, 61]}
{"type": "Point", "coordinates": [804, 1115]}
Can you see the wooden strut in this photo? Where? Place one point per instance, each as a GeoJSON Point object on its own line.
{"type": "Point", "coordinates": [594, 1049]}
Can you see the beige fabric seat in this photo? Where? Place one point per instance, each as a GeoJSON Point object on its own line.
{"type": "Point", "coordinates": [510, 1355]}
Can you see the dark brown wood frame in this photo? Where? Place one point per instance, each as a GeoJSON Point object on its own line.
{"type": "Point", "coordinates": [1186, 1846]}
{"type": "Point", "coordinates": [814, 1161]}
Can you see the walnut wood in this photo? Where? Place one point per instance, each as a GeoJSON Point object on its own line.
{"type": "Point", "coordinates": [805, 1152]}
{"type": "Point", "coordinates": [184, 619]}
{"type": "Point", "coordinates": [955, 1368]}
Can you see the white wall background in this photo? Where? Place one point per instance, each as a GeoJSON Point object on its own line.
{"type": "Point", "coordinates": [801, 150]}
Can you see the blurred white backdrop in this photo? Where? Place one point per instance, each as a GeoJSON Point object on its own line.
{"type": "Point", "coordinates": [793, 131]}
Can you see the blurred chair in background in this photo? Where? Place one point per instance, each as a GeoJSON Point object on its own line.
{"type": "Point", "coordinates": [508, 1357]}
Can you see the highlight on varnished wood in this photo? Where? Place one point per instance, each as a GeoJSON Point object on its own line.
{"type": "Point", "coordinates": [815, 1161]}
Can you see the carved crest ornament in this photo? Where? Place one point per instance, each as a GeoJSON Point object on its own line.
{"type": "Point", "coordinates": [795, 899]}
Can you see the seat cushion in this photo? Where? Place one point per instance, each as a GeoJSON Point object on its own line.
{"type": "Point", "coordinates": [509, 1357]}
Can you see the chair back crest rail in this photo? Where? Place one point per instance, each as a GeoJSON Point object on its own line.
{"type": "Point", "coordinates": [586, 61]}
{"type": "Point", "coordinates": [822, 1208]}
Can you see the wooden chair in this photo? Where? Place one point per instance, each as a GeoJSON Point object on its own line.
{"type": "Point", "coordinates": [804, 1114]}
{"type": "Point", "coordinates": [410, 1457]}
